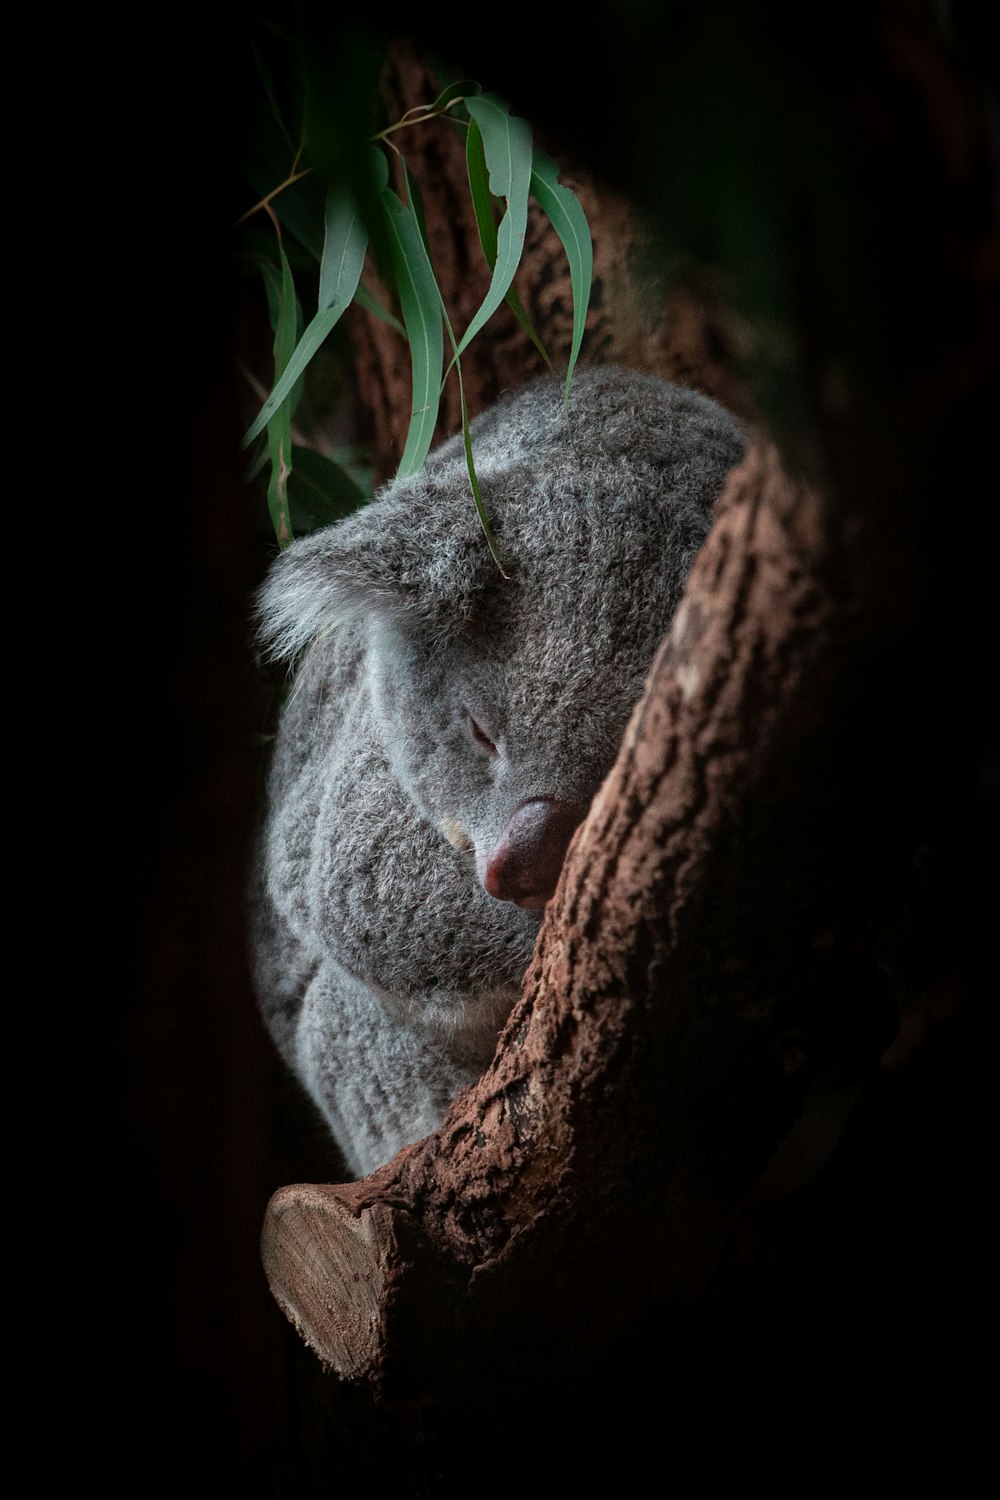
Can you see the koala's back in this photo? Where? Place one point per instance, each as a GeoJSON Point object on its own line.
{"type": "Point", "coordinates": [443, 715]}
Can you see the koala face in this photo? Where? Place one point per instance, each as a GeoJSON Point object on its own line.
{"type": "Point", "coordinates": [502, 731]}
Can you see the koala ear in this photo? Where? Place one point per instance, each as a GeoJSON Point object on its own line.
{"type": "Point", "coordinates": [415, 556]}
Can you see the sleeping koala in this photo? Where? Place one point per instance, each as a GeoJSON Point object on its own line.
{"type": "Point", "coordinates": [448, 728]}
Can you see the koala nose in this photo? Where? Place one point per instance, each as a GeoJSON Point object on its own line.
{"type": "Point", "coordinates": [524, 865]}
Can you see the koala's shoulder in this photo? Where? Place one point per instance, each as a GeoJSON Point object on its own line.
{"type": "Point", "coordinates": [324, 693]}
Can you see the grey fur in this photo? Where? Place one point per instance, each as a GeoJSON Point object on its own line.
{"type": "Point", "coordinates": [384, 968]}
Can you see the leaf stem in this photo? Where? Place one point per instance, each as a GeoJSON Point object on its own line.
{"type": "Point", "coordinates": [265, 202]}
{"type": "Point", "coordinates": [430, 113]}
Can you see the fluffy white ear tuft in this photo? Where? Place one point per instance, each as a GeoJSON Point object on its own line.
{"type": "Point", "coordinates": [297, 601]}
{"type": "Point", "coordinates": [415, 555]}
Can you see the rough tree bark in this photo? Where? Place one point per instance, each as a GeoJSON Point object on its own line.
{"type": "Point", "coordinates": [710, 952]}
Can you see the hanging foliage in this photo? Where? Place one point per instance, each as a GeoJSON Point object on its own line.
{"type": "Point", "coordinates": [354, 214]}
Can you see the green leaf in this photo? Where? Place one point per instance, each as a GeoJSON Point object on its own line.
{"type": "Point", "coordinates": [467, 440]}
{"type": "Point", "coordinates": [527, 326]}
{"type": "Point", "coordinates": [376, 180]}
{"type": "Point", "coordinates": [318, 330]}
{"type": "Point", "coordinates": [570, 223]}
{"type": "Point", "coordinates": [506, 141]}
{"type": "Point", "coordinates": [479, 187]}
{"type": "Point", "coordinates": [507, 147]}
{"type": "Point", "coordinates": [345, 241]}
{"type": "Point", "coordinates": [279, 425]}
{"type": "Point", "coordinates": [279, 447]}
{"type": "Point", "coordinates": [474, 478]}
{"type": "Point", "coordinates": [378, 169]}
{"type": "Point", "coordinates": [286, 326]}
{"type": "Point", "coordinates": [482, 203]}
{"type": "Point", "coordinates": [284, 313]}
{"type": "Point", "coordinates": [272, 286]}
{"type": "Point", "coordinates": [415, 198]}
{"type": "Point", "coordinates": [364, 298]}
{"type": "Point", "coordinates": [420, 301]}
{"type": "Point", "coordinates": [323, 489]}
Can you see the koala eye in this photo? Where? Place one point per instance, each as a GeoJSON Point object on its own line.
{"type": "Point", "coordinates": [479, 735]}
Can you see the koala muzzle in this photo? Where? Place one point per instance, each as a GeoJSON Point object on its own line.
{"type": "Point", "coordinates": [524, 865]}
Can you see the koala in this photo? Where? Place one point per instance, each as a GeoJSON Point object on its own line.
{"type": "Point", "coordinates": [448, 726]}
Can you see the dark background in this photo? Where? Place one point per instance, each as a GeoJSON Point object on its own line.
{"type": "Point", "coordinates": [186, 1378]}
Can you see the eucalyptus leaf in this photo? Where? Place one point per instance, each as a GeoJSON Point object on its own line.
{"type": "Point", "coordinates": [284, 313]}
{"type": "Point", "coordinates": [364, 298]}
{"type": "Point", "coordinates": [479, 189]}
{"type": "Point", "coordinates": [286, 327]}
{"type": "Point", "coordinates": [272, 286]}
{"type": "Point", "coordinates": [279, 425]}
{"type": "Point", "coordinates": [318, 330]}
{"type": "Point", "coordinates": [420, 301]}
{"type": "Point", "coordinates": [415, 198]}
{"type": "Point", "coordinates": [345, 241]}
{"type": "Point", "coordinates": [570, 223]}
{"type": "Point", "coordinates": [360, 215]}
{"type": "Point", "coordinates": [456, 363]}
{"type": "Point", "coordinates": [507, 147]}
{"type": "Point", "coordinates": [527, 327]}
{"type": "Point", "coordinates": [378, 169]}
{"type": "Point", "coordinates": [482, 203]}
{"type": "Point", "coordinates": [470, 464]}
{"type": "Point", "coordinates": [279, 445]}
{"type": "Point", "coordinates": [506, 141]}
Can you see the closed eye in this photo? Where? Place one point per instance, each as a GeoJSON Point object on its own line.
{"type": "Point", "coordinates": [479, 735]}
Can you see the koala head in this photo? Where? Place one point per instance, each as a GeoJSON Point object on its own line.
{"type": "Point", "coordinates": [500, 702]}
